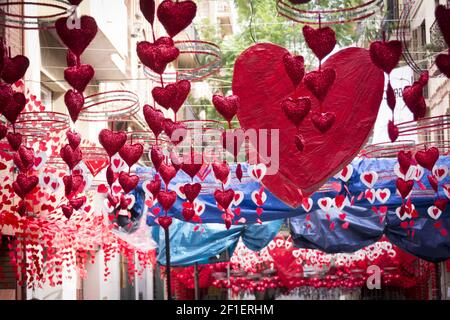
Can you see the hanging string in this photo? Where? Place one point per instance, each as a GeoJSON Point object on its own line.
{"type": "Point", "coordinates": [252, 14]}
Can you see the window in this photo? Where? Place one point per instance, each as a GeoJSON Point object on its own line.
{"type": "Point", "coordinates": [47, 98]}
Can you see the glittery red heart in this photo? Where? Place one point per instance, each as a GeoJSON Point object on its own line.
{"type": "Point", "coordinates": [111, 176]}
{"type": "Point", "coordinates": [412, 95]}
{"type": "Point", "coordinates": [24, 159]}
{"type": "Point", "coordinates": [192, 191]}
{"type": "Point", "coordinates": [443, 63]}
{"type": "Point", "coordinates": [321, 41]}
{"type": "Point", "coordinates": [319, 82]}
{"type": "Point", "coordinates": [224, 197]}
{"type": "Point", "coordinates": [427, 158]}
{"type": "Point", "coordinates": [295, 67]}
{"type": "Point", "coordinates": [404, 187]}
{"type": "Point", "coordinates": [24, 184]}
{"type": "Point", "coordinates": [154, 119]}
{"type": "Point", "coordinates": [175, 130]}
{"type": "Point", "coordinates": [405, 160]}
{"type": "Point", "coordinates": [188, 213]}
{"type": "Point", "coordinates": [67, 211]}
{"type": "Point", "coordinates": [323, 121]}
{"type": "Point", "coordinates": [443, 20]}
{"type": "Point", "coordinates": [176, 16]}
{"type": "Point", "coordinates": [221, 171]}
{"type": "Point", "coordinates": [148, 9]}
{"type": "Point", "coordinates": [226, 106]}
{"type": "Point", "coordinates": [156, 156]}
{"type": "Point", "coordinates": [131, 153]}
{"type": "Point", "coordinates": [173, 95]}
{"type": "Point", "coordinates": [73, 138]}
{"type": "Point", "coordinates": [158, 55]}
{"type": "Point", "coordinates": [128, 182]}
{"type": "Point", "coordinates": [6, 94]}
{"type": "Point", "coordinates": [79, 76]}
{"type": "Point", "coordinates": [74, 101]}
{"type": "Point", "coordinates": [167, 172]}
{"type": "Point", "coordinates": [70, 156]}
{"type": "Point", "coordinates": [261, 82]}
{"type": "Point", "coordinates": [111, 141]}
{"type": "Point", "coordinates": [167, 199]}
{"type": "Point", "coordinates": [392, 131]}
{"type": "Point", "coordinates": [14, 68]}
{"type": "Point", "coordinates": [14, 107]}
{"type": "Point", "coordinates": [192, 165]}
{"type": "Point", "coordinates": [154, 187]}
{"type": "Point", "coordinates": [77, 203]}
{"type": "Point", "coordinates": [77, 39]}
{"type": "Point", "coordinates": [165, 222]}
{"type": "Point", "coordinates": [386, 54]}
{"type": "Point", "coordinates": [296, 109]}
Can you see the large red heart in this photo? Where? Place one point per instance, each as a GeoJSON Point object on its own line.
{"type": "Point", "coordinates": [158, 55]}
{"type": "Point", "coordinates": [175, 130]}
{"type": "Point", "coordinates": [79, 76]}
{"type": "Point", "coordinates": [77, 39]}
{"type": "Point", "coordinates": [173, 95]}
{"type": "Point", "coordinates": [14, 68]}
{"type": "Point", "coordinates": [154, 186]}
{"type": "Point", "coordinates": [176, 16]}
{"type": "Point", "coordinates": [261, 82]}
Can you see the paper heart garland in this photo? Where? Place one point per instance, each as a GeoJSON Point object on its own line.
{"type": "Point", "coordinates": [77, 39]}
{"type": "Point", "coordinates": [443, 20]}
{"type": "Point", "coordinates": [14, 68]}
{"type": "Point", "coordinates": [226, 106]}
{"type": "Point", "coordinates": [383, 195]}
{"type": "Point", "coordinates": [427, 158]}
{"type": "Point", "coordinates": [111, 141]}
{"type": "Point", "coordinates": [325, 203]}
{"type": "Point", "coordinates": [340, 201]}
{"type": "Point", "coordinates": [192, 191]}
{"type": "Point", "coordinates": [131, 153]}
{"type": "Point", "coordinates": [74, 101]}
{"type": "Point", "coordinates": [370, 195]}
{"type": "Point", "coordinates": [259, 198]}
{"type": "Point", "coordinates": [386, 54]}
{"type": "Point", "coordinates": [369, 178]}
{"type": "Point", "coordinates": [295, 68]}
{"type": "Point", "coordinates": [158, 55]}
{"type": "Point", "coordinates": [319, 82]}
{"type": "Point", "coordinates": [440, 172]}
{"type": "Point", "coordinates": [321, 41]}
{"type": "Point", "coordinates": [434, 212]}
{"type": "Point", "coordinates": [261, 66]}
{"type": "Point", "coordinates": [148, 10]}
{"type": "Point", "coordinates": [167, 199]}
{"type": "Point", "coordinates": [296, 109]}
{"type": "Point", "coordinates": [70, 156]}
{"type": "Point", "coordinates": [173, 95]}
{"type": "Point", "coordinates": [79, 76]}
{"type": "Point", "coordinates": [176, 16]}
{"type": "Point", "coordinates": [128, 182]}
{"type": "Point", "coordinates": [127, 202]}
{"type": "Point", "coordinates": [346, 173]}
{"type": "Point", "coordinates": [238, 198]}
{"type": "Point", "coordinates": [443, 63]}
{"type": "Point", "coordinates": [307, 204]}
{"type": "Point", "coordinates": [224, 197]}
{"type": "Point", "coordinates": [14, 107]}
{"type": "Point", "coordinates": [154, 119]}
{"type": "Point", "coordinates": [402, 214]}
{"type": "Point", "coordinates": [257, 172]}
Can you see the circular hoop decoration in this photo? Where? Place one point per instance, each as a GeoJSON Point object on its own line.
{"type": "Point", "coordinates": [13, 13]}
{"type": "Point", "coordinates": [386, 149]}
{"type": "Point", "coordinates": [117, 105]}
{"type": "Point", "coordinates": [95, 158]}
{"type": "Point", "coordinates": [207, 57]}
{"type": "Point", "coordinates": [309, 13]}
{"type": "Point", "coordinates": [38, 124]}
{"type": "Point", "coordinates": [147, 139]}
{"type": "Point", "coordinates": [424, 128]}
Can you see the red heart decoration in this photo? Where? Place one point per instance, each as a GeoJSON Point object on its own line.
{"type": "Point", "coordinates": [443, 63]}
{"type": "Point", "coordinates": [158, 55]}
{"type": "Point", "coordinates": [154, 119]}
{"type": "Point", "coordinates": [295, 68]}
{"type": "Point", "coordinates": [3, 131]}
{"type": "Point", "coordinates": [14, 107]}
{"type": "Point", "coordinates": [131, 153]}
{"type": "Point", "coordinates": [167, 172]}
{"type": "Point", "coordinates": [299, 142]}
{"type": "Point", "coordinates": [224, 197]}
{"type": "Point", "coordinates": [70, 156]}
{"type": "Point", "coordinates": [386, 54]}
{"type": "Point", "coordinates": [433, 182]}
{"type": "Point", "coordinates": [73, 138]}
{"type": "Point", "coordinates": [176, 16]}
{"type": "Point", "coordinates": [443, 20]}
{"type": "Point", "coordinates": [79, 76]}
{"type": "Point", "coordinates": [154, 187]}
{"type": "Point", "coordinates": [77, 39]}
{"type": "Point", "coordinates": [24, 184]}
{"type": "Point", "coordinates": [421, 109]}
{"type": "Point", "coordinates": [112, 141]}
{"type": "Point", "coordinates": [111, 176]}
{"type": "Point", "coordinates": [319, 82]}
{"type": "Point", "coordinates": [67, 211]}
{"type": "Point", "coordinates": [192, 167]}
{"type": "Point", "coordinates": [221, 171]}
{"type": "Point", "coordinates": [125, 202]}
{"type": "Point", "coordinates": [427, 158]}
{"type": "Point", "coordinates": [390, 97]}
{"type": "Point", "coordinates": [157, 156]}
{"type": "Point", "coordinates": [323, 121]}
{"type": "Point", "coordinates": [167, 199]}
{"type": "Point", "coordinates": [173, 95]}
{"type": "Point", "coordinates": [148, 10]}
{"type": "Point", "coordinates": [14, 140]}
{"type": "Point", "coordinates": [192, 191]}
{"type": "Point", "coordinates": [404, 160]}
{"type": "Point", "coordinates": [175, 130]}
{"type": "Point", "coordinates": [165, 222]}
{"type": "Point", "coordinates": [24, 159]}
{"type": "Point", "coordinates": [14, 68]}
{"type": "Point", "coordinates": [239, 172]}
{"type": "Point", "coordinates": [188, 213]}
{"type": "Point", "coordinates": [95, 166]}
{"type": "Point", "coordinates": [128, 182]}
{"type": "Point", "coordinates": [296, 109]}
{"type": "Point", "coordinates": [392, 131]}
{"type": "Point", "coordinates": [6, 94]}
{"type": "Point", "coordinates": [261, 83]}
{"type": "Point", "coordinates": [404, 187]}
{"type": "Point", "coordinates": [412, 96]}
{"type": "Point", "coordinates": [226, 106]}
{"type": "Point", "coordinates": [78, 202]}
{"type": "Point", "coordinates": [74, 101]}
{"type": "Point", "coordinates": [441, 204]}
{"type": "Point", "coordinates": [321, 41]}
